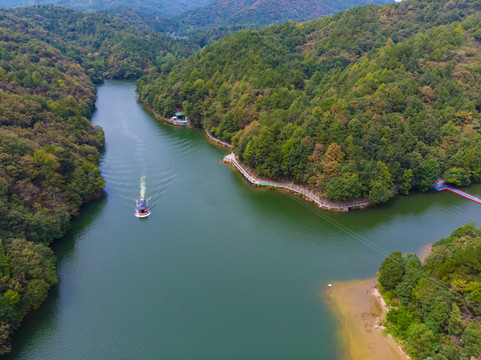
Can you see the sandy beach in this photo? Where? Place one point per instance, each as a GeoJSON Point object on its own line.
{"type": "Point", "coordinates": [424, 251]}
{"type": "Point", "coordinates": [360, 308]}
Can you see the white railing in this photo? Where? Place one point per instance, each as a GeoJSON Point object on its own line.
{"type": "Point", "coordinates": [219, 141]}
{"type": "Point", "coordinates": [231, 158]}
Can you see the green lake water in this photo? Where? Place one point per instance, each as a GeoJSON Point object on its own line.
{"type": "Point", "coordinates": [220, 270]}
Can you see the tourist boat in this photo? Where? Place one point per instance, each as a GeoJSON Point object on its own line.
{"type": "Point", "coordinates": [141, 209]}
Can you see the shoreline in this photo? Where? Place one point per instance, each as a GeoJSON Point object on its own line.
{"type": "Point", "coordinates": [303, 192]}
{"type": "Point", "coordinates": [360, 310]}
{"type": "Point", "coordinates": [216, 141]}
{"type": "Point", "coordinates": [213, 139]}
{"type": "Point", "coordinates": [298, 190]}
{"type": "Point", "coordinates": [424, 251]}
{"type": "Point", "coordinates": [161, 118]}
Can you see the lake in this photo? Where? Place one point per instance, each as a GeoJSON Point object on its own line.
{"type": "Point", "coordinates": [220, 270]}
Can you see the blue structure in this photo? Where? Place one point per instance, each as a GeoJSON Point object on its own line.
{"type": "Point", "coordinates": [459, 192]}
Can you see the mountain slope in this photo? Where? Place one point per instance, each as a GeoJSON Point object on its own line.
{"type": "Point", "coordinates": [105, 46]}
{"type": "Point", "coordinates": [355, 105]}
{"type": "Point", "coordinates": [143, 21]}
{"type": "Point", "coordinates": [157, 7]}
{"type": "Point", "coordinates": [207, 24]}
{"type": "Point", "coordinates": [265, 12]}
{"type": "Point", "coordinates": [49, 155]}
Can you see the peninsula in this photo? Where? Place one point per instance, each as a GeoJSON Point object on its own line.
{"type": "Point", "coordinates": [354, 106]}
{"type": "Point", "coordinates": [432, 304]}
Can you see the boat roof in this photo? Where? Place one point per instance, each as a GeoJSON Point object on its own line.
{"type": "Point", "coordinates": [141, 205]}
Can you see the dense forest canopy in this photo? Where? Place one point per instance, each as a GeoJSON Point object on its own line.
{"type": "Point", "coordinates": [106, 47]}
{"type": "Point", "coordinates": [157, 7]}
{"type": "Point", "coordinates": [369, 100]}
{"type": "Point", "coordinates": [205, 21]}
{"type": "Point", "coordinates": [49, 153]}
{"type": "Point", "coordinates": [266, 12]}
{"type": "Point", "coordinates": [437, 305]}
{"type": "Point", "coordinates": [145, 21]}
{"type": "Point", "coordinates": [207, 24]}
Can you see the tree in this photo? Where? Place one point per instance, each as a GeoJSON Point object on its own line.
{"type": "Point", "coordinates": [421, 341]}
{"type": "Point", "coordinates": [404, 290]}
{"type": "Point", "coordinates": [346, 187]}
{"type": "Point", "coordinates": [428, 175]}
{"type": "Point", "coordinates": [456, 176]}
{"type": "Point", "coordinates": [407, 182]}
{"type": "Point", "coordinates": [455, 323]}
{"type": "Point", "coordinates": [399, 320]}
{"type": "Point", "coordinates": [391, 271]}
{"type": "Point", "coordinates": [379, 192]}
{"type": "Point", "coordinates": [472, 339]}
{"type": "Point", "coordinates": [331, 164]}
{"type": "Point", "coordinates": [436, 310]}
{"type": "Point", "coordinates": [5, 333]}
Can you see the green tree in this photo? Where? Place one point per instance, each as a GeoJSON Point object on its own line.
{"type": "Point", "coordinates": [346, 187]}
{"type": "Point", "coordinates": [428, 175]}
{"type": "Point", "coordinates": [455, 323]}
{"type": "Point", "coordinates": [456, 176]}
{"type": "Point", "coordinates": [421, 341]}
{"type": "Point", "coordinates": [407, 181]}
{"type": "Point", "coordinates": [391, 271]}
{"type": "Point", "coordinates": [472, 339]}
{"type": "Point", "coordinates": [379, 192]}
{"type": "Point", "coordinates": [399, 320]}
{"type": "Point", "coordinates": [404, 290]}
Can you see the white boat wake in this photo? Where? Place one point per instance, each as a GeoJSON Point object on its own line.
{"type": "Point", "coordinates": [141, 209]}
{"type": "Point", "coordinates": [142, 186]}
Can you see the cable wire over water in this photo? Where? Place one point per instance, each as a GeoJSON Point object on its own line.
{"type": "Point", "coordinates": [342, 227]}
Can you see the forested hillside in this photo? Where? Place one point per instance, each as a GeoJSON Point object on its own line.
{"type": "Point", "coordinates": [358, 104]}
{"type": "Point", "coordinates": [204, 21]}
{"type": "Point", "coordinates": [266, 12]}
{"type": "Point", "coordinates": [157, 7]}
{"type": "Point", "coordinates": [209, 23]}
{"type": "Point", "coordinates": [437, 311]}
{"type": "Point", "coordinates": [105, 46]}
{"type": "Point", "coordinates": [144, 21]}
{"type": "Point", "coordinates": [49, 154]}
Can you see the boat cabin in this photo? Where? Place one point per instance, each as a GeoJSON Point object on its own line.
{"type": "Point", "coordinates": [142, 207]}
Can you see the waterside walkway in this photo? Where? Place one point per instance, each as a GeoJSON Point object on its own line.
{"type": "Point", "coordinates": [305, 193]}
{"type": "Point", "coordinates": [217, 141]}
{"type": "Point", "coordinates": [459, 192]}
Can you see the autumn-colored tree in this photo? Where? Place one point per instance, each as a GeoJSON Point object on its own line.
{"type": "Point", "coordinates": [331, 164]}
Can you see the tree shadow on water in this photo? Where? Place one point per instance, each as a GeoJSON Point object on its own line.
{"type": "Point", "coordinates": [39, 324]}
